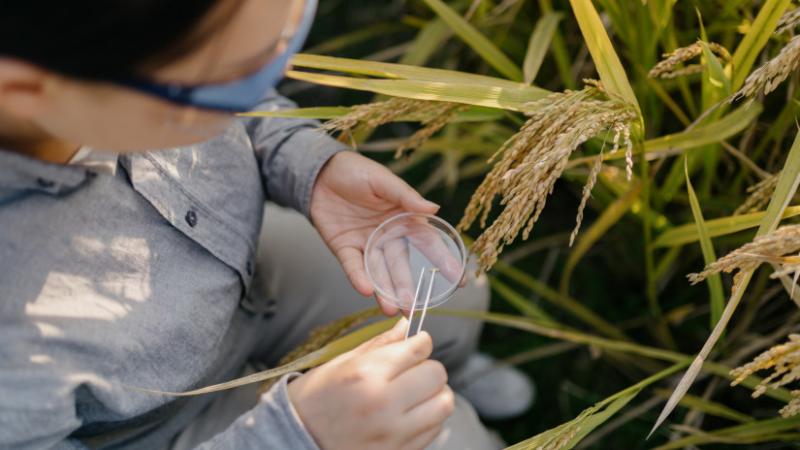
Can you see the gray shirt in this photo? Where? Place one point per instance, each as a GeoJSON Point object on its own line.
{"type": "Point", "coordinates": [140, 277]}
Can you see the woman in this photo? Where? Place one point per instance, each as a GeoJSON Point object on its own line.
{"type": "Point", "coordinates": [123, 267]}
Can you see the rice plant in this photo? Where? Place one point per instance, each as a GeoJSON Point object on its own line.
{"type": "Point", "coordinates": [589, 202]}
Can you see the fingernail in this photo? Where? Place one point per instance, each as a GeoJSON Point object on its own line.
{"type": "Point", "coordinates": [401, 324]}
{"type": "Point", "coordinates": [431, 204]}
{"type": "Point", "coordinates": [453, 268]}
{"type": "Point", "coordinates": [406, 297]}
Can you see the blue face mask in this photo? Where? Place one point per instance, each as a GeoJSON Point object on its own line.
{"type": "Point", "coordinates": [234, 96]}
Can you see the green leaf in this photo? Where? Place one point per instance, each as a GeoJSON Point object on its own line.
{"type": "Point", "coordinates": [605, 58]}
{"type": "Point", "coordinates": [477, 41]}
{"type": "Point", "coordinates": [568, 435]}
{"type": "Point", "coordinates": [356, 37]}
{"type": "Point", "coordinates": [471, 94]}
{"type": "Point", "coordinates": [322, 112]}
{"type": "Point", "coordinates": [540, 328]}
{"type": "Point", "coordinates": [539, 43]}
{"type": "Point", "coordinates": [580, 427]}
{"type": "Point", "coordinates": [709, 407]}
{"type": "Point", "coordinates": [428, 41]}
{"type": "Point", "coordinates": [421, 83]}
{"type": "Point", "coordinates": [571, 305]}
{"type": "Point", "coordinates": [715, 73]}
{"type": "Point", "coordinates": [749, 433]}
{"type": "Point", "coordinates": [473, 114]}
{"type": "Point", "coordinates": [687, 233]}
{"type": "Point", "coordinates": [788, 182]}
{"type": "Point", "coordinates": [696, 137]}
{"type": "Point", "coordinates": [711, 133]}
{"type": "Point", "coordinates": [519, 302]}
{"type": "Point", "coordinates": [756, 38]}
{"type": "Point", "coordinates": [709, 255]}
{"type": "Point", "coordinates": [560, 52]}
{"type": "Point", "coordinates": [402, 71]}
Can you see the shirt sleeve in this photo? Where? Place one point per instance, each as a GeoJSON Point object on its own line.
{"type": "Point", "coordinates": [272, 424]}
{"type": "Point", "coordinates": [37, 418]}
{"type": "Point", "coordinates": [291, 153]}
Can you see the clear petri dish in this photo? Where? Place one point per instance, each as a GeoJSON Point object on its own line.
{"type": "Point", "coordinates": [412, 255]}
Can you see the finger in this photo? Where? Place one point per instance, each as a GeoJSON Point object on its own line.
{"type": "Point", "coordinates": [398, 357]}
{"type": "Point", "coordinates": [428, 240]}
{"type": "Point", "coordinates": [380, 275]}
{"type": "Point", "coordinates": [387, 308]}
{"type": "Point", "coordinates": [420, 383]}
{"type": "Point", "coordinates": [431, 413]}
{"type": "Point", "coordinates": [423, 439]}
{"type": "Point", "coordinates": [397, 260]}
{"type": "Point", "coordinates": [352, 261]}
{"type": "Point", "coordinates": [393, 189]}
{"type": "Point", "coordinates": [394, 335]}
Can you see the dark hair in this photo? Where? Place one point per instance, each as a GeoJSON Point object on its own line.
{"type": "Point", "coordinates": [101, 39]}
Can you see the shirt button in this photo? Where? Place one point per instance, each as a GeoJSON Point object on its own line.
{"type": "Point", "coordinates": [46, 184]}
{"type": "Point", "coordinates": [271, 308]}
{"type": "Point", "coordinates": [191, 218]}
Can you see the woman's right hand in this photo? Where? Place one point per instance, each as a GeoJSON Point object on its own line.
{"type": "Point", "coordinates": [386, 394]}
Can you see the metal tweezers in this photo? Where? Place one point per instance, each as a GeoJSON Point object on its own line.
{"type": "Point", "coordinates": [413, 316]}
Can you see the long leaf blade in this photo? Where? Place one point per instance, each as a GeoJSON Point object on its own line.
{"type": "Point", "coordinates": [755, 40]}
{"type": "Point", "coordinates": [687, 233]}
{"type": "Point", "coordinates": [398, 71]}
{"type": "Point", "coordinates": [539, 43]}
{"type": "Point", "coordinates": [714, 132]}
{"type": "Point", "coordinates": [707, 247]}
{"type": "Point", "coordinates": [476, 40]}
{"type": "Point", "coordinates": [605, 58]}
{"type": "Point", "coordinates": [458, 92]}
{"type": "Point", "coordinates": [473, 114]}
{"type": "Point", "coordinates": [787, 186]}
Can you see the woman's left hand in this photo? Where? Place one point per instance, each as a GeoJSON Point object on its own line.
{"type": "Point", "coordinates": [351, 197]}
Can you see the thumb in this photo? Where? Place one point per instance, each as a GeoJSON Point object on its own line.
{"type": "Point", "coordinates": [395, 334]}
{"type": "Point", "coordinates": [392, 188]}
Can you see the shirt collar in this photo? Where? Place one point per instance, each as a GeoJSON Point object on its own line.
{"type": "Point", "coordinates": [99, 162]}
{"type": "Point", "coordinates": [20, 172]}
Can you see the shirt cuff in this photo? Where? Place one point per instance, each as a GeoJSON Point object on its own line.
{"type": "Point", "coordinates": [307, 151]}
{"type": "Point", "coordinates": [282, 416]}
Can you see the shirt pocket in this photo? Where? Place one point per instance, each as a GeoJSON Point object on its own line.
{"type": "Point", "coordinates": [212, 192]}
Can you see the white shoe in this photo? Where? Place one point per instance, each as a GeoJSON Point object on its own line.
{"type": "Point", "coordinates": [496, 391]}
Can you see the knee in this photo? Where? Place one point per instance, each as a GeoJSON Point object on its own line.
{"type": "Point", "coordinates": [475, 294]}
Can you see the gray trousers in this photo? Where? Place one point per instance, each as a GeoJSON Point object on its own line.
{"type": "Point", "coordinates": [302, 280]}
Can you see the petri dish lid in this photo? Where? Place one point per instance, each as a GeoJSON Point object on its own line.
{"type": "Point", "coordinates": [410, 254]}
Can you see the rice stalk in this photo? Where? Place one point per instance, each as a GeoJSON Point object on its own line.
{"type": "Point", "coordinates": [527, 166]}
{"type": "Point", "coordinates": [587, 192]}
{"type": "Point", "coordinates": [784, 362]}
{"type": "Point", "coordinates": [320, 337]}
{"type": "Point", "coordinates": [768, 77]}
{"type": "Point", "coordinates": [430, 127]}
{"type": "Point", "coordinates": [759, 197]}
{"type": "Point", "coordinates": [560, 437]}
{"type": "Point", "coordinates": [789, 21]}
{"type": "Point", "coordinates": [672, 65]}
{"type": "Point", "coordinates": [777, 247]}
{"type": "Point", "coordinates": [432, 115]}
{"type": "Point", "coordinates": [793, 407]}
